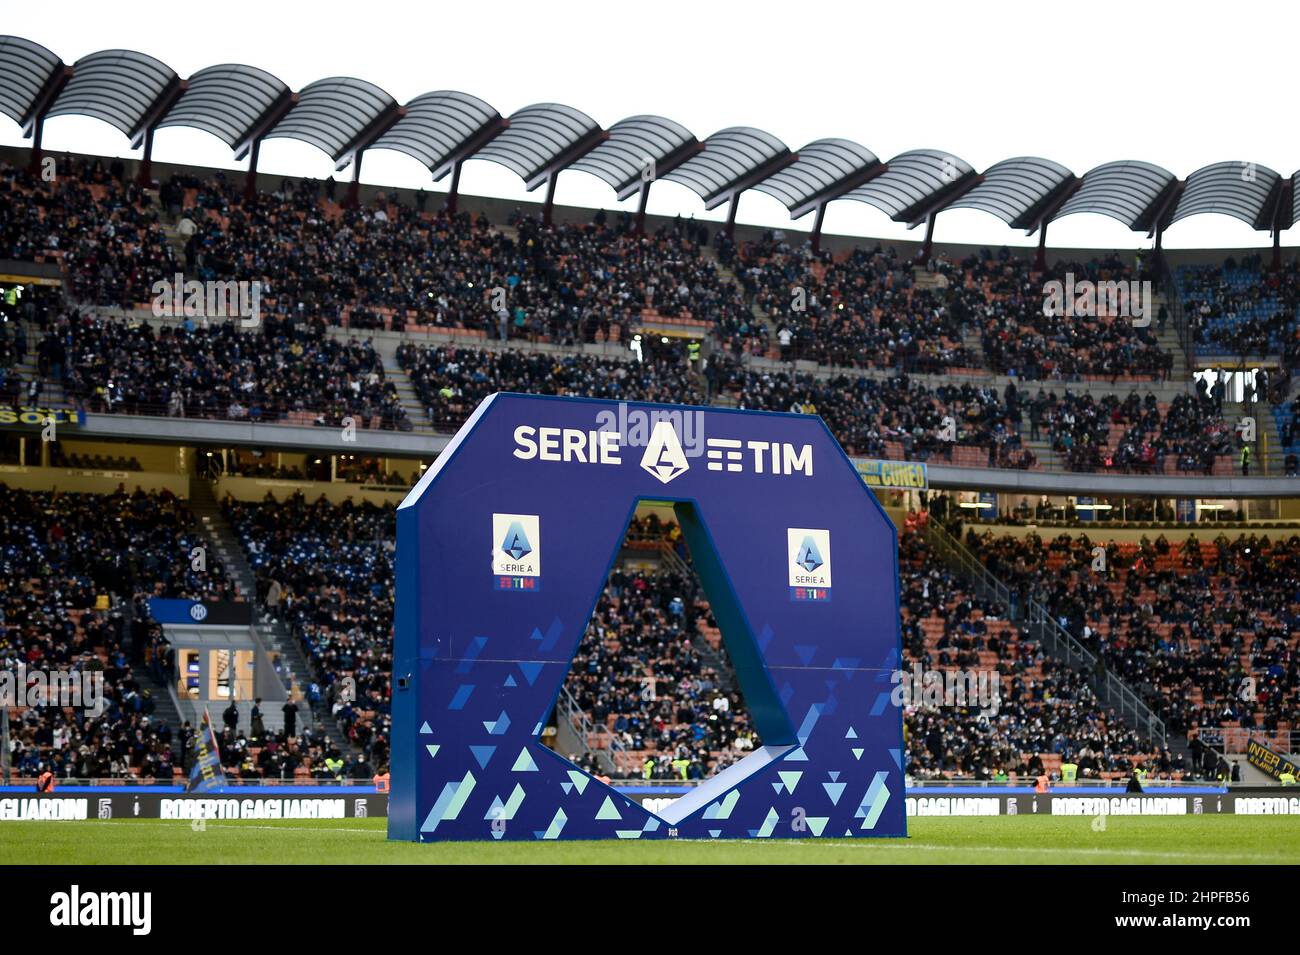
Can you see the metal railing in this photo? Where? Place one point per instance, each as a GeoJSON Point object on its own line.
{"type": "Point", "coordinates": [955, 554]}
{"type": "Point", "coordinates": [1115, 692]}
{"type": "Point", "coordinates": [674, 561]}
{"type": "Point", "coordinates": [1234, 739]}
{"type": "Point", "coordinates": [612, 755]}
{"type": "Point", "coordinates": [1041, 625]}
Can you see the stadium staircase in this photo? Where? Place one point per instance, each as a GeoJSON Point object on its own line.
{"type": "Point", "coordinates": [578, 734]}
{"type": "Point", "coordinates": [415, 410]}
{"type": "Point", "coordinates": [728, 275]}
{"type": "Point", "coordinates": [1039, 624]}
{"type": "Point", "coordinates": [51, 395]}
{"type": "Point", "coordinates": [711, 654]}
{"type": "Point", "coordinates": [163, 695]}
{"type": "Point", "coordinates": [289, 660]}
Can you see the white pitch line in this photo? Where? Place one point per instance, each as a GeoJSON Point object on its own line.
{"type": "Point", "coordinates": [880, 845]}
{"type": "Point", "coordinates": [222, 825]}
{"type": "Point", "coordinates": [227, 825]}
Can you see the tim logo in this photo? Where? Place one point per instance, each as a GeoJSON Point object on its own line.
{"type": "Point", "coordinates": [516, 552]}
{"type": "Point", "coordinates": [809, 557]}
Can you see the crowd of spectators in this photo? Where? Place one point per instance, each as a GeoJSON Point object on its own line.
{"type": "Point", "coordinates": [1004, 299]}
{"type": "Point", "coordinates": [1131, 435]}
{"type": "Point", "coordinates": [397, 264]}
{"type": "Point", "coordinates": [896, 417]}
{"type": "Point", "coordinates": [220, 371]}
{"type": "Point", "coordinates": [1240, 308]}
{"type": "Point", "coordinates": [70, 566]}
{"type": "Point", "coordinates": [1177, 622]}
{"type": "Point", "coordinates": [104, 228]}
{"type": "Point", "coordinates": [863, 310]}
{"type": "Point", "coordinates": [646, 671]}
{"type": "Point", "coordinates": [326, 571]}
{"type": "Point", "coordinates": [1047, 712]}
{"type": "Point", "coordinates": [451, 381]}
{"type": "Point", "coordinates": [1202, 630]}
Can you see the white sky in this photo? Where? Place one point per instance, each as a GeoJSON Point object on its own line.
{"type": "Point", "coordinates": [1178, 84]}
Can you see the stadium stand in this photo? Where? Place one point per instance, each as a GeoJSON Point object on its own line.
{"type": "Point", "coordinates": [1205, 630]}
{"type": "Point", "coordinates": [326, 571]}
{"type": "Point", "coordinates": [279, 371]}
{"type": "Point", "coordinates": [1047, 711]}
{"type": "Point", "coordinates": [898, 355]}
{"type": "Point", "coordinates": [74, 567]}
{"type": "Point", "coordinates": [450, 381]}
{"type": "Point", "coordinates": [651, 671]}
{"type": "Point", "coordinates": [568, 284]}
{"type": "Point", "coordinates": [1239, 307]}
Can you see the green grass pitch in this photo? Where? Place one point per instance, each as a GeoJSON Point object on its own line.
{"type": "Point", "coordinates": [1034, 840]}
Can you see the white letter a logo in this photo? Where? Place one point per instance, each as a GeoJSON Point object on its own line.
{"type": "Point", "coordinates": [663, 456]}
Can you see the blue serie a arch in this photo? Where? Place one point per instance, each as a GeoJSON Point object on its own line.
{"type": "Point", "coordinates": [502, 551]}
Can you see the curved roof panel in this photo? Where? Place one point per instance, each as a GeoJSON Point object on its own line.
{"type": "Point", "coordinates": [818, 167]}
{"type": "Point", "coordinates": [1123, 190]}
{"type": "Point", "coordinates": [1011, 188]}
{"type": "Point", "coordinates": [634, 146]}
{"type": "Point", "coordinates": [117, 86]}
{"type": "Point", "coordinates": [331, 113]}
{"type": "Point", "coordinates": [341, 115]}
{"type": "Point", "coordinates": [536, 136]}
{"type": "Point", "coordinates": [225, 100]}
{"type": "Point", "coordinates": [437, 125]}
{"type": "Point", "coordinates": [1237, 189]}
{"type": "Point", "coordinates": [1295, 200]}
{"type": "Point", "coordinates": [728, 156]}
{"type": "Point", "coordinates": [25, 68]}
{"type": "Point", "coordinates": [913, 178]}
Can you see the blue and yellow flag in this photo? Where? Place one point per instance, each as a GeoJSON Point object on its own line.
{"type": "Point", "coordinates": [207, 772]}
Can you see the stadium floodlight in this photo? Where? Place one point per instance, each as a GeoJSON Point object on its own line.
{"type": "Point", "coordinates": [503, 548]}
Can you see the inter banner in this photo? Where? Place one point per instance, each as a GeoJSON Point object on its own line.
{"type": "Point", "coordinates": [207, 772]}
{"type": "Point", "coordinates": [1275, 764]}
{"type": "Point", "coordinates": [228, 613]}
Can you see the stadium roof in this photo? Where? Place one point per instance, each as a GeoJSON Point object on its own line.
{"type": "Point", "coordinates": [439, 126]}
{"type": "Point", "coordinates": [913, 182]}
{"type": "Point", "coordinates": [120, 87]}
{"type": "Point", "coordinates": [1014, 189]}
{"type": "Point", "coordinates": [343, 116]}
{"type": "Point", "coordinates": [26, 68]}
{"type": "Point", "coordinates": [823, 169]}
{"type": "Point", "coordinates": [639, 149]}
{"type": "Point", "coordinates": [226, 101]}
{"type": "Point", "coordinates": [333, 114]}
{"type": "Point", "coordinates": [537, 139]}
{"type": "Point", "coordinates": [1238, 189]}
{"type": "Point", "coordinates": [1129, 191]}
{"type": "Point", "coordinates": [731, 161]}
